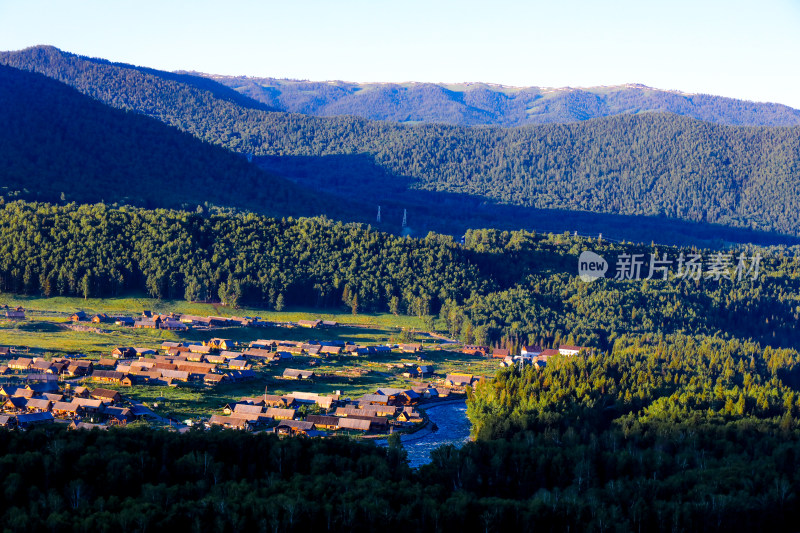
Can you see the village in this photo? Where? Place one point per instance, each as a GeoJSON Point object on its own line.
{"type": "Point", "coordinates": [86, 392]}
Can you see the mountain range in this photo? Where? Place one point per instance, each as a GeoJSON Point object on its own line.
{"type": "Point", "coordinates": [638, 176]}
{"type": "Point", "coordinates": [477, 104]}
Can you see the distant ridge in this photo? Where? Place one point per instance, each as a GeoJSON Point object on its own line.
{"type": "Point", "coordinates": [668, 174]}
{"type": "Point", "coordinates": [474, 104]}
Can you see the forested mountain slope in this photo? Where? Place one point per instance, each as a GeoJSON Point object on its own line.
{"type": "Point", "coordinates": [57, 144]}
{"type": "Point", "coordinates": [650, 165]}
{"type": "Point", "coordinates": [475, 104]}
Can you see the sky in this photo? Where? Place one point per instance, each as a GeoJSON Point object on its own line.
{"type": "Point", "coordinates": [735, 48]}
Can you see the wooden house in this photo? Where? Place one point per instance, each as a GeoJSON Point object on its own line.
{"type": "Point", "coordinates": [214, 379]}
{"type": "Point", "coordinates": [21, 363]}
{"type": "Point", "coordinates": [323, 421]}
{"type": "Point", "coordinates": [80, 316]}
{"type": "Point", "coordinates": [330, 350]}
{"type": "Point", "coordinates": [116, 416]}
{"type": "Point", "coordinates": [34, 419]}
{"type": "Point", "coordinates": [275, 400]}
{"type": "Point", "coordinates": [222, 344]}
{"type": "Point", "coordinates": [200, 349]}
{"type": "Point", "coordinates": [263, 344]}
{"type": "Point", "coordinates": [79, 368]}
{"type": "Point", "coordinates": [238, 364]}
{"type": "Point", "coordinates": [108, 376]}
{"type": "Point", "coordinates": [177, 375]}
{"type": "Point", "coordinates": [217, 358]}
{"type": "Point", "coordinates": [14, 404]}
{"type": "Point", "coordinates": [279, 413]}
{"type": "Point", "coordinates": [230, 422]}
{"type": "Point", "coordinates": [36, 405]}
{"type": "Point", "coordinates": [15, 314]}
{"type": "Point", "coordinates": [40, 365]}
{"type": "Point", "coordinates": [148, 323]}
{"type": "Point", "coordinates": [106, 395]}
{"type": "Point", "coordinates": [171, 324]}
{"type": "Point", "coordinates": [123, 351]}
{"type": "Point", "coordinates": [294, 427]}
{"type": "Point", "coordinates": [501, 353]}
{"type": "Point", "coordinates": [248, 409]}
{"type": "Point", "coordinates": [566, 349]}
{"type": "Point", "coordinates": [90, 405]}
{"type": "Point", "coordinates": [50, 384]}
{"type": "Point", "coordinates": [125, 321]}
{"type": "Point", "coordinates": [357, 424]}
{"type": "Point", "coordinates": [291, 373]}
{"type": "Point", "coordinates": [411, 347]}
{"type": "Point", "coordinates": [242, 375]}
{"type": "Point", "coordinates": [101, 318]}
{"type": "Point", "coordinates": [547, 354]}
{"type": "Point", "coordinates": [473, 349]}
{"type": "Point", "coordinates": [312, 349]}
{"type": "Point", "coordinates": [374, 399]}
{"type": "Point", "coordinates": [80, 392]}
{"type": "Point", "coordinates": [531, 351]}
{"type": "Point", "coordinates": [260, 353]}
{"type": "Point", "coordinates": [458, 380]}
{"type": "Point", "coordinates": [309, 323]}
{"type": "Point", "coordinates": [67, 409]}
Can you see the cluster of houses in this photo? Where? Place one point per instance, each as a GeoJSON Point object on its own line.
{"type": "Point", "coordinates": [43, 403]}
{"type": "Point", "coordinates": [129, 366]}
{"type": "Point", "coordinates": [170, 321]}
{"type": "Point", "coordinates": [285, 349]}
{"type": "Point", "coordinates": [532, 354]}
{"type": "Point", "coordinates": [211, 363]}
{"type": "Point", "coordinates": [383, 411]}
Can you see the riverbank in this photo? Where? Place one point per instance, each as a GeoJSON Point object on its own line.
{"type": "Point", "coordinates": [450, 417]}
{"type": "Point", "coordinates": [427, 429]}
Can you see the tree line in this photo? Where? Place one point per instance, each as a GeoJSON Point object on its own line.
{"type": "Point", "coordinates": [499, 288]}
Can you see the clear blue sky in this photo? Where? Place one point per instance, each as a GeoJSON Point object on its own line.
{"type": "Point", "coordinates": [743, 49]}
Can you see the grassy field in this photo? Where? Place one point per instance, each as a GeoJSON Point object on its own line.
{"type": "Point", "coordinates": [135, 305]}
{"type": "Point", "coordinates": [48, 332]}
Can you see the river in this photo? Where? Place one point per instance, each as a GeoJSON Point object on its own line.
{"type": "Point", "coordinates": [451, 419]}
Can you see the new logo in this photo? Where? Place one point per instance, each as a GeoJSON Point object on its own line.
{"type": "Point", "coordinates": [591, 266]}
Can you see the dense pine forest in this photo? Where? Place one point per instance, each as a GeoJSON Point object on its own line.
{"type": "Point", "coordinates": [654, 165]}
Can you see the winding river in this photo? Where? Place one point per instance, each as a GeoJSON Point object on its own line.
{"type": "Point", "coordinates": [451, 419]}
